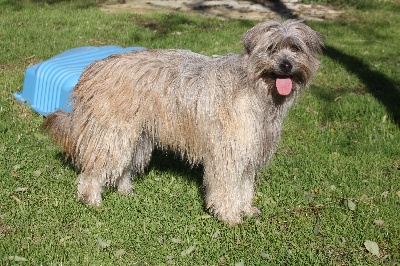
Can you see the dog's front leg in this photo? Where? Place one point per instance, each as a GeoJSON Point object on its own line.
{"type": "Point", "coordinates": [223, 190]}
{"type": "Point", "coordinates": [247, 191]}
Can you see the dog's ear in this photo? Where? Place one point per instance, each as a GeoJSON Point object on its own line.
{"type": "Point", "coordinates": [312, 38]}
{"type": "Point", "coordinates": [252, 37]}
{"type": "Point", "coordinates": [316, 43]}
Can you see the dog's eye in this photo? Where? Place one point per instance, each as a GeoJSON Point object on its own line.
{"type": "Point", "coordinates": [271, 49]}
{"type": "Point", "coordinates": [295, 48]}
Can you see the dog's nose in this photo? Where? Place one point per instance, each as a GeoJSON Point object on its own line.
{"type": "Point", "coordinates": [285, 66]}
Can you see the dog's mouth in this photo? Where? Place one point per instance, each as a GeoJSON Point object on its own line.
{"type": "Point", "coordinates": [283, 85]}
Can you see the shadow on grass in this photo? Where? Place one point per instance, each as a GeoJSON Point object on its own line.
{"type": "Point", "coordinates": [173, 163]}
{"type": "Point", "coordinates": [275, 6]}
{"type": "Point", "coordinates": [378, 84]}
{"type": "Point", "coordinates": [20, 4]}
{"type": "Point", "coordinates": [167, 24]}
{"type": "Point", "coordinates": [160, 161]}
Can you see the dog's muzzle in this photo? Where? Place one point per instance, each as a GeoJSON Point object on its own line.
{"type": "Point", "coordinates": [283, 81]}
{"type": "Point", "coordinates": [286, 67]}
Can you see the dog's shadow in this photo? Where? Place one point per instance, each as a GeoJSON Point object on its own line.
{"type": "Point", "coordinates": [167, 161]}
{"type": "Point", "coordinates": [161, 161]}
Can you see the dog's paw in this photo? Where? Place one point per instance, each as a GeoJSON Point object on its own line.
{"type": "Point", "coordinates": [127, 191]}
{"type": "Point", "coordinates": [124, 186]}
{"type": "Point", "coordinates": [252, 212]}
{"type": "Point", "coordinates": [90, 199]}
{"type": "Point", "coordinates": [230, 217]}
{"type": "Point", "coordinates": [231, 221]}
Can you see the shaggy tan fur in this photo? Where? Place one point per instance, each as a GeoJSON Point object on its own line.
{"type": "Point", "coordinates": [224, 112]}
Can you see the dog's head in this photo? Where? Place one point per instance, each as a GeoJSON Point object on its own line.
{"type": "Point", "coordinates": [284, 54]}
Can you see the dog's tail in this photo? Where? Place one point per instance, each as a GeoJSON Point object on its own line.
{"type": "Point", "coordinates": [59, 125]}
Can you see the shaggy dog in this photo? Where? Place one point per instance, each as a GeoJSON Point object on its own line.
{"type": "Point", "coordinates": [223, 112]}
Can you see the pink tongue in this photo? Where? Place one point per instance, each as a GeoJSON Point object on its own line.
{"type": "Point", "coordinates": [284, 86]}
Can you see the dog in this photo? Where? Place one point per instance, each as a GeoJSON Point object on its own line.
{"type": "Point", "coordinates": [222, 112]}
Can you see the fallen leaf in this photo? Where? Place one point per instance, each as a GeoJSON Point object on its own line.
{"type": "Point", "coordinates": [265, 255]}
{"type": "Point", "coordinates": [384, 118]}
{"type": "Point", "coordinates": [16, 199]}
{"type": "Point", "coordinates": [372, 247]}
{"type": "Point", "coordinates": [398, 193]}
{"type": "Point", "coordinates": [37, 173]}
{"type": "Point", "coordinates": [217, 233]}
{"type": "Point", "coordinates": [103, 243]}
{"type": "Point", "coordinates": [62, 240]}
{"type": "Point", "coordinates": [39, 136]}
{"type": "Point", "coordinates": [176, 240]}
{"type": "Point", "coordinates": [188, 251]}
{"type": "Point", "coordinates": [16, 258]}
{"type": "Point", "coordinates": [350, 204]}
{"type": "Point", "coordinates": [223, 258]}
{"type": "Point", "coordinates": [120, 252]}
{"type": "Point", "coordinates": [20, 189]}
{"type": "Point", "coordinates": [363, 197]}
{"type": "Point", "coordinates": [270, 201]}
{"type": "Point", "coordinates": [379, 222]}
{"type": "Point", "coordinates": [29, 57]}
{"type": "Point", "coordinates": [307, 196]}
{"type": "Point", "coordinates": [206, 216]}
{"type": "Point", "coordinates": [385, 194]}
{"type": "Point", "coordinates": [316, 230]}
{"type": "Point", "coordinates": [239, 263]}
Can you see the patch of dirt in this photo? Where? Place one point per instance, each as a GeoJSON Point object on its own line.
{"type": "Point", "coordinates": [226, 9]}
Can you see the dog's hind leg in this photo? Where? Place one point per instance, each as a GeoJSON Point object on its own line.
{"type": "Point", "coordinates": [113, 165]}
{"type": "Point", "coordinates": [142, 153]}
{"type": "Point", "coordinates": [140, 159]}
{"type": "Point", "coordinates": [89, 189]}
{"type": "Point", "coordinates": [119, 175]}
{"type": "Point", "coordinates": [124, 183]}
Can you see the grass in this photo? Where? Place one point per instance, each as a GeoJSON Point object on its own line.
{"type": "Point", "coordinates": [340, 146]}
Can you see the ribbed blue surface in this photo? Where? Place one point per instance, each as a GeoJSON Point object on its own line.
{"type": "Point", "coordinates": [47, 85]}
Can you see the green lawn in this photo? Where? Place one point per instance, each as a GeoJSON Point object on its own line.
{"type": "Point", "coordinates": [333, 184]}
